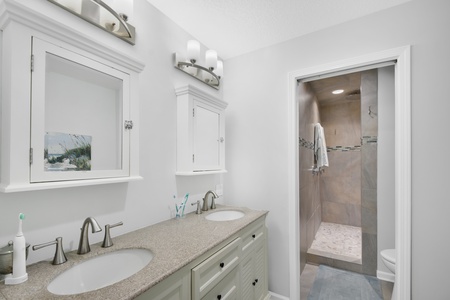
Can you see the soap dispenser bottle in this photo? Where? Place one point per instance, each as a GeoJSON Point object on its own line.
{"type": "Point", "coordinates": [19, 273]}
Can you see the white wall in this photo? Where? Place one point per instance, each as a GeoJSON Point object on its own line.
{"type": "Point", "coordinates": [257, 148]}
{"type": "Point", "coordinates": [60, 212]}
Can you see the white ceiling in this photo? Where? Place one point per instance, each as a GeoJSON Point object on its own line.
{"type": "Point", "coordinates": [235, 27]}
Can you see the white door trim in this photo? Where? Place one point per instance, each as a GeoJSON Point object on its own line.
{"type": "Point", "coordinates": [402, 162]}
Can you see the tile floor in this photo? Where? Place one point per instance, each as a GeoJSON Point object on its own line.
{"type": "Point", "coordinates": [309, 274]}
{"type": "Point", "coordinates": [339, 242]}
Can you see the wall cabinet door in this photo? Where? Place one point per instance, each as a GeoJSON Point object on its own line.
{"type": "Point", "coordinates": [65, 100]}
{"type": "Point", "coordinates": [78, 115]}
{"type": "Point", "coordinates": [200, 132]}
{"type": "Point", "coordinates": [208, 137]}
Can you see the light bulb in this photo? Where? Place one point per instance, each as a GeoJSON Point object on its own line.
{"type": "Point", "coordinates": [193, 51]}
{"type": "Point", "coordinates": [211, 59]}
{"type": "Point", "coordinates": [219, 70]}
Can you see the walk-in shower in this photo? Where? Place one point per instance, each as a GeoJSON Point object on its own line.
{"type": "Point", "coordinates": [338, 206]}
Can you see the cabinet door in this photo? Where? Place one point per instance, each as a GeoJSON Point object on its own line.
{"type": "Point", "coordinates": [208, 138]}
{"type": "Point", "coordinates": [176, 287]}
{"type": "Point", "coordinates": [79, 107]}
{"type": "Point", "coordinates": [253, 273]}
{"type": "Point", "coordinates": [259, 267]}
{"type": "Point", "coordinates": [247, 277]}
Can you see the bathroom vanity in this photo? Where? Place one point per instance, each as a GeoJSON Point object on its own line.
{"type": "Point", "coordinates": [193, 258]}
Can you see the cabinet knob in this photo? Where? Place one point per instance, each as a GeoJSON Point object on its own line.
{"type": "Point", "coordinates": [222, 265]}
{"type": "Point", "coordinates": [221, 139]}
{"type": "Point", "coordinates": [219, 297]}
{"type": "Point", "coordinates": [253, 235]}
{"type": "Point", "coordinates": [254, 283]}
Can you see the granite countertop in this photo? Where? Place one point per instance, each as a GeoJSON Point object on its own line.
{"type": "Point", "coordinates": [174, 243]}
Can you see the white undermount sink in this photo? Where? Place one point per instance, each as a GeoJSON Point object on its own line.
{"type": "Point", "coordinates": [100, 271]}
{"type": "Point", "coordinates": [225, 215]}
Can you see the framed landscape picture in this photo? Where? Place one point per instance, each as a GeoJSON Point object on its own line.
{"type": "Point", "coordinates": [67, 152]}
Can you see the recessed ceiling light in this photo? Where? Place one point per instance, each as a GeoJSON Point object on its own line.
{"type": "Point", "coordinates": [337, 92]}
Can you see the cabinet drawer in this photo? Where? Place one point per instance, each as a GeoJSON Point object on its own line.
{"type": "Point", "coordinates": [251, 235]}
{"type": "Point", "coordinates": [208, 273]}
{"type": "Point", "coordinates": [227, 289]}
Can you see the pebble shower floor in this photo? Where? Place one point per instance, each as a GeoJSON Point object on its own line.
{"type": "Point", "coordinates": [338, 239]}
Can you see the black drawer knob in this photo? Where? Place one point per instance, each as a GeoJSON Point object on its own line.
{"type": "Point", "coordinates": [219, 297]}
{"type": "Point", "coordinates": [254, 283]}
{"type": "Point", "coordinates": [256, 280]}
{"type": "Point", "coordinates": [222, 265]}
{"type": "Point", "coordinates": [253, 235]}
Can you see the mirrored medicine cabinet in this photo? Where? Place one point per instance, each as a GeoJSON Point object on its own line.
{"type": "Point", "coordinates": [70, 110]}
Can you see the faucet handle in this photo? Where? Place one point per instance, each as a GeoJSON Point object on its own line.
{"type": "Point", "coordinates": [60, 256]}
{"type": "Point", "coordinates": [107, 241]}
{"type": "Point", "coordinates": [199, 209]}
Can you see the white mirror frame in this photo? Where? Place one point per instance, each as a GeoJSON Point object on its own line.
{"type": "Point", "coordinates": [402, 162]}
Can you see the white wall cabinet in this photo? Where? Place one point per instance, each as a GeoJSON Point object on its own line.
{"type": "Point", "coordinates": [234, 271]}
{"type": "Point", "coordinates": [67, 107]}
{"type": "Point", "coordinates": [200, 132]}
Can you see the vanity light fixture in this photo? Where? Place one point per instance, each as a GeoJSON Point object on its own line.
{"type": "Point", "coordinates": [337, 92]}
{"type": "Point", "coordinates": [210, 74]}
{"type": "Point", "coordinates": [100, 14]}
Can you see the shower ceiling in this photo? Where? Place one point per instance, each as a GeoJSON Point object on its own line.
{"type": "Point", "coordinates": [350, 83]}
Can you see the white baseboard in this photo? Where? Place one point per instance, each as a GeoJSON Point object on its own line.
{"type": "Point", "coordinates": [386, 276]}
{"type": "Point", "coordinates": [274, 296]}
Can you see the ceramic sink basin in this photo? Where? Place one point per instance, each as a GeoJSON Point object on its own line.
{"type": "Point", "coordinates": [225, 215]}
{"type": "Point", "coordinates": [100, 271]}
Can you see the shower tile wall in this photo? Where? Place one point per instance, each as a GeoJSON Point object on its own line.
{"type": "Point", "coordinates": [369, 128]}
{"type": "Point", "coordinates": [340, 184]}
{"type": "Point", "coordinates": [310, 206]}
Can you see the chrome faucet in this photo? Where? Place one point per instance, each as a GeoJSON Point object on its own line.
{"type": "Point", "coordinates": [205, 200]}
{"type": "Point", "coordinates": [83, 246]}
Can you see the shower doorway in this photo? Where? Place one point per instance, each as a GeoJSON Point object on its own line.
{"type": "Point", "coordinates": [402, 215]}
{"type": "Point", "coordinates": [338, 204]}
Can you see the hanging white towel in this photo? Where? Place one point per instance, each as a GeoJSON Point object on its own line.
{"type": "Point", "coordinates": [320, 148]}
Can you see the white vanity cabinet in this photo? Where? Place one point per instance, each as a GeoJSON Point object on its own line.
{"type": "Point", "coordinates": [227, 288]}
{"type": "Point", "coordinates": [236, 270]}
{"type": "Point", "coordinates": [254, 275]}
{"type": "Point", "coordinates": [70, 106]}
{"type": "Point", "coordinates": [200, 132]}
{"type": "Point", "coordinates": [176, 287]}
{"type": "Point", "coordinates": [213, 270]}
{"type": "Point", "coordinates": [253, 264]}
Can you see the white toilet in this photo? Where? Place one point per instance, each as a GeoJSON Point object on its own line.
{"type": "Point", "coordinates": [388, 257]}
